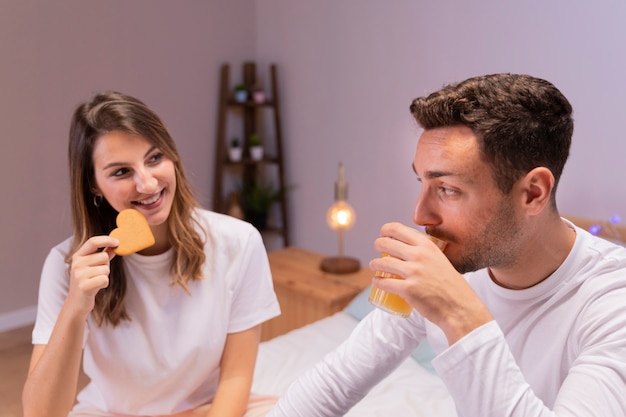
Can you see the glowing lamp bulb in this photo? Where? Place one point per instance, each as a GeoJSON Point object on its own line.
{"type": "Point", "coordinates": [340, 216]}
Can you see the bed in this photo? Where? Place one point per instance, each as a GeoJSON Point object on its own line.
{"type": "Point", "coordinates": [413, 389]}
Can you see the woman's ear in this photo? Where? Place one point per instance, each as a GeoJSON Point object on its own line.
{"type": "Point", "coordinates": [96, 196]}
{"type": "Point", "coordinates": [537, 188]}
{"type": "Point", "coordinates": [95, 190]}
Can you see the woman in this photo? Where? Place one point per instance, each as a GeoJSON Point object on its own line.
{"type": "Point", "coordinates": [171, 330]}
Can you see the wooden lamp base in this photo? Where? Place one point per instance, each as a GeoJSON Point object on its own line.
{"type": "Point", "coordinates": [340, 265]}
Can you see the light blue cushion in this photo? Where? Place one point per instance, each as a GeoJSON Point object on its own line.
{"type": "Point", "coordinates": [359, 307]}
{"type": "Point", "coordinates": [423, 355]}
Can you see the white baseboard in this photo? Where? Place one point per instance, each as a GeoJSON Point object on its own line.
{"type": "Point", "coordinates": [17, 318]}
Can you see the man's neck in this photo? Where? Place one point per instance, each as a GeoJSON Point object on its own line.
{"type": "Point", "coordinates": [544, 251]}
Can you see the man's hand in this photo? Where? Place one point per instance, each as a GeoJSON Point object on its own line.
{"type": "Point", "coordinates": [430, 283]}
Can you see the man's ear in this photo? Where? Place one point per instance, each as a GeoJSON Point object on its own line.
{"type": "Point", "coordinates": [536, 188]}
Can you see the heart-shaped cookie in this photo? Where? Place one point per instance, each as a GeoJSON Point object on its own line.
{"type": "Point", "coordinates": [132, 231]}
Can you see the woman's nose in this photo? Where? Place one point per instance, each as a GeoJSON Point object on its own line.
{"type": "Point", "coordinates": [146, 183]}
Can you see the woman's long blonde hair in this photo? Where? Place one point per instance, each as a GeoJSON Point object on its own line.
{"type": "Point", "coordinates": [112, 111]}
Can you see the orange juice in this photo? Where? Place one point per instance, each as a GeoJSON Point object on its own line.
{"type": "Point", "coordinates": [392, 303]}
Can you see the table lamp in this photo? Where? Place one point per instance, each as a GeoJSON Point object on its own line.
{"type": "Point", "coordinates": [340, 217]}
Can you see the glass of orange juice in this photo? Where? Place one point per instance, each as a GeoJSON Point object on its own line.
{"type": "Point", "coordinates": [392, 303]}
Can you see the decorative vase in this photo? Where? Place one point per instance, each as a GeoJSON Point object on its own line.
{"type": "Point", "coordinates": [259, 96]}
{"type": "Point", "coordinates": [234, 154]}
{"type": "Point", "coordinates": [241, 96]}
{"type": "Point", "coordinates": [256, 153]}
{"type": "Point", "coordinates": [234, 209]}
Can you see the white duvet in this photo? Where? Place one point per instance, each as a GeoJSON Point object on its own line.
{"type": "Point", "coordinates": [409, 391]}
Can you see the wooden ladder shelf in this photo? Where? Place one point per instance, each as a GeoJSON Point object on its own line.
{"type": "Point", "coordinates": [249, 117]}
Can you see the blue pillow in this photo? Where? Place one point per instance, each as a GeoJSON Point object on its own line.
{"type": "Point", "coordinates": [423, 355]}
{"type": "Point", "coordinates": [359, 307]}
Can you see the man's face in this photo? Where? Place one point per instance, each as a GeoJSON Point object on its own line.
{"type": "Point", "coordinates": [460, 203]}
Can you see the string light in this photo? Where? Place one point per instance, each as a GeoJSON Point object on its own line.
{"type": "Point", "coordinates": [607, 228]}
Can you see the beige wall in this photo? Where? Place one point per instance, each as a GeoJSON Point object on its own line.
{"type": "Point", "coordinates": [348, 70]}
{"type": "Point", "coordinates": [56, 54]}
{"type": "Point", "coordinates": [352, 68]}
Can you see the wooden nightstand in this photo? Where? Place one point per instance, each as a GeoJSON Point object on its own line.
{"type": "Point", "coordinates": [305, 292]}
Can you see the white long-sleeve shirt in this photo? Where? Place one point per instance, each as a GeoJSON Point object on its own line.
{"type": "Point", "coordinates": [555, 349]}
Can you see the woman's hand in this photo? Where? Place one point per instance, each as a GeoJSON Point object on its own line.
{"type": "Point", "coordinates": [50, 387]}
{"type": "Point", "coordinates": [89, 272]}
{"type": "Point", "coordinates": [431, 284]}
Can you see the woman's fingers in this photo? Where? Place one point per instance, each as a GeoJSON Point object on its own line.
{"type": "Point", "coordinates": [95, 244]}
{"type": "Point", "coordinates": [90, 269]}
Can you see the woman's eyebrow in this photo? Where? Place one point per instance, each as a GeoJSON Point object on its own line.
{"type": "Point", "coordinates": [117, 164]}
{"type": "Point", "coordinates": [150, 151]}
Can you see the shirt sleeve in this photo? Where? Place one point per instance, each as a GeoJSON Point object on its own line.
{"type": "Point", "coordinates": [484, 379]}
{"type": "Point", "coordinates": [377, 346]}
{"type": "Point", "coordinates": [254, 299]}
{"type": "Point", "coordinates": [53, 289]}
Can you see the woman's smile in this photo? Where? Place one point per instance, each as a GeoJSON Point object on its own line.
{"type": "Point", "coordinates": [150, 202]}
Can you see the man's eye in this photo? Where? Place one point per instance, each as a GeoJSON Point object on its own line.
{"type": "Point", "coordinates": [448, 191]}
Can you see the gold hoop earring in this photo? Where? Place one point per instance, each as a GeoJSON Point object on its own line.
{"type": "Point", "coordinates": [97, 200]}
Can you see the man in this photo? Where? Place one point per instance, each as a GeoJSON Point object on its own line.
{"type": "Point", "coordinates": [537, 325]}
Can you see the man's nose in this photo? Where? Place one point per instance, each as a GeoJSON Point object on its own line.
{"type": "Point", "coordinates": [424, 213]}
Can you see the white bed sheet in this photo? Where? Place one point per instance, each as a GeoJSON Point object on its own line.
{"type": "Point", "coordinates": [409, 391]}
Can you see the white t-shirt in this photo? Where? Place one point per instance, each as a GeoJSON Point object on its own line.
{"type": "Point", "coordinates": [555, 349]}
{"type": "Point", "coordinates": [166, 358]}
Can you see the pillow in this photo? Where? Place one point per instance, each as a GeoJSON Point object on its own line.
{"type": "Point", "coordinates": [359, 307]}
{"type": "Point", "coordinates": [423, 355]}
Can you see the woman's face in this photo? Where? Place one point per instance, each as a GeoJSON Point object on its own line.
{"type": "Point", "coordinates": [130, 172]}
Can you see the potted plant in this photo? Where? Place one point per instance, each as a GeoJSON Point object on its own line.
{"type": "Point", "coordinates": [256, 199]}
{"type": "Point", "coordinates": [235, 150]}
{"type": "Point", "coordinates": [241, 93]}
{"type": "Point", "coordinates": [255, 146]}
